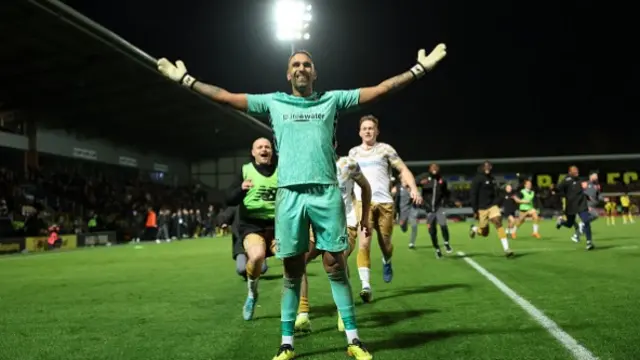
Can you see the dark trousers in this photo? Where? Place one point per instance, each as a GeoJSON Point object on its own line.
{"type": "Point", "coordinates": [586, 218]}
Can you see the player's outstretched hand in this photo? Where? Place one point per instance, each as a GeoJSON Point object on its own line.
{"type": "Point", "coordinates": [416, 197]}
{"type": "Point", "coordinates": [175, 72]}
{"type": "Point", "coordinates": [247, 184]}
{"type": "Point", "coordinates": [428, 62]}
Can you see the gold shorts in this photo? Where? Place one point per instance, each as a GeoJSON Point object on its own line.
{"type": "Point", "coordinates": [524, 214]}
{"type": "Point", "coordinates": [381, 217]}
{"type": "Point", "coordinates": [486, 214]}
{"type": "Point", "coordinates": [266, 240]}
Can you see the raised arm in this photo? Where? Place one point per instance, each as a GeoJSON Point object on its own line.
{"type": "Point", "coordinates": [518, 200]}
{"type": "Point", "coordinates": [425, 63]}
{"type": "Point", "coordinates": [179, 74]}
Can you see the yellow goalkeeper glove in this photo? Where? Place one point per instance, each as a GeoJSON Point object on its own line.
{"type": "Point", "coordinates": [177, 72]}
{"type": "Point", "coordinates": [428, 62]}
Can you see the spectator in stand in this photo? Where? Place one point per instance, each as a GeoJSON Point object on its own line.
{"type": "Point", "coordinates": [199, 222]}
{"type": "Point", "coordinates": [185, 223]}
{"type": "Point", "coordinates": [164, 220]}
{"type": "Point", "coordinates": [208, 223]}
{"type": "Point", "coordinates": [192, 224]}
{"type": "Point", "coordinates": [151, 225]}
{"type": "Point", "coordinates": [136, 225]}
{"type": "Point", "coordinates": [54, 241]}
{"type": "Point", "coordinates": [65, 194]}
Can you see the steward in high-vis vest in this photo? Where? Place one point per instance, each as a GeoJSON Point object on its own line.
{"type": "Point", "coordinates": [255, 194]}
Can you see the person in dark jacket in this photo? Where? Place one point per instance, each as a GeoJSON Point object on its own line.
{"type": "Point", "coordinates": [164, 220]}
{"type": "Point", "coordinates": [572, 189]}
{"type": "Point", "coordinates": [229, 219]}
{"type": "Point", "coordinates": [406, 210]}
{"type": "Point", "coordinates": [484, 202]}
{"type": "Point", "coordinates": [435, 192]}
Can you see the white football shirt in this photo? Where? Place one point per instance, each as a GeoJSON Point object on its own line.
{"type": "Point", "coordinates": [376, 164]}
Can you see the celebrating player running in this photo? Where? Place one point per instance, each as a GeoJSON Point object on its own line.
{"type": "Point", "coordinates": [527, 209]}
{"type": "Point", "coordinates": [484, 202]}
{"type": "Point", "coordinates": [308, 192]}
{"type": "Point", "coordinates": [255, 193]}
{"type": "Point", "coordinates": [375, 159]}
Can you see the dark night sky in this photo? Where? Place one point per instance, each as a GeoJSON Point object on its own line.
{"type": "Point", "coordinates": [520, 79]}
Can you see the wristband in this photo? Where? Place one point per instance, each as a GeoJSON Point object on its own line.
{"type": "Point", "coordinates": [418, 71]}
{"type": "Point", "coordinates": [188, 81]}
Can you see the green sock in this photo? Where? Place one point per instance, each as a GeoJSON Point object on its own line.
{"type": "Point", "coordinates": [289, 307]}
{"type": "Point", "coordinates": [341, 290]}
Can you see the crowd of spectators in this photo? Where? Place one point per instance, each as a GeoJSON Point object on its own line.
{"type": "Point", "coordinates": [133, 205]}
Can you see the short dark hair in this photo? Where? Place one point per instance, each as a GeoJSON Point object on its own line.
{"type": "Point", "coordinates": [305, 52]}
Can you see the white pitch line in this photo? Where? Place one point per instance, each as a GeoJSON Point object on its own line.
{"type": "Point", "coordinates": [618, 248]}
{"type": "Point", "coordinates": [578, 351]}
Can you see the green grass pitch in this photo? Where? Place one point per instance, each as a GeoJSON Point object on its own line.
{"type": "Point", "coordinates": [183, 301]}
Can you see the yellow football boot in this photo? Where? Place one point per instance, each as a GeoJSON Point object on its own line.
{"type": "Point", "coordinates": [357, 351]}
{"type": "Point", "coordinates": [286, 353]}
{"type": "Point", "coordinates": [303, 324]}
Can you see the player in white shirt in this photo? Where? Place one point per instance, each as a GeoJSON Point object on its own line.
{"type": "Point", "coordinates": [375, 160]}
{"type": "Point", "coordinates": [349, 174]}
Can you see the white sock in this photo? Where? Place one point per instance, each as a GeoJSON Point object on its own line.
{"type": "Point", "coordinates": [514, 230]}
{"type": "Point", "coordinates": [535, 228]}
{"type": "Point", "coordinates": [252, 286]}
{"type": "Point", "coordinates": [386, 261]}
{"type": "Point", "coordinates": [288, 340]}
{"type": "Point", "coordinates": [364, 276]}
{"type": "Point", "coordinates": [505, 244]}
{"type": "Point", "coordinates": [508, 231]}
{"type": "Point", "coordinates": [474, 228]}
{"type": "Point", "coordinates": [351, 335]}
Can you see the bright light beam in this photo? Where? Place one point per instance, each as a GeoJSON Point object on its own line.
{"type": "Point", "coordinates": [292, 20]}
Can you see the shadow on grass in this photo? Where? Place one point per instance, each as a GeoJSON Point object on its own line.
{"type": "Point", "coordinates": [376, 320]}
{"type": "Point", "coordinates": [416, 290]}
{"type": "Point", "coordinates": [398, 341]}
{"type": "Point", "coordinates": [271, 277]}
{"type": "Point", "coordinates": [408, 340]}
{"type": "Point", "coordinates": [331, 310]}
{"type": "Point", "coordinates": [388, 318]}
{"type": "Point", "coordinates": [278, 276]}
{"type": "Point", "coordinates": [517, 254]}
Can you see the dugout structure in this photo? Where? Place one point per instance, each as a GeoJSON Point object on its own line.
{"type": "Point", "coordinates": [67, 72]}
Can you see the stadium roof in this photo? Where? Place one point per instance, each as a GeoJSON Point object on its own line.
{"type": "Point", "coordinates": [71, 73]}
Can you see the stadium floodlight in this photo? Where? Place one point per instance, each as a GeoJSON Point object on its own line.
{"type": "Point", "coordinates": [293, 19]}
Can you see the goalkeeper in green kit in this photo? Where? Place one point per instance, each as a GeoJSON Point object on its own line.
{"type": "Point", "coordinates": [308, 194]}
